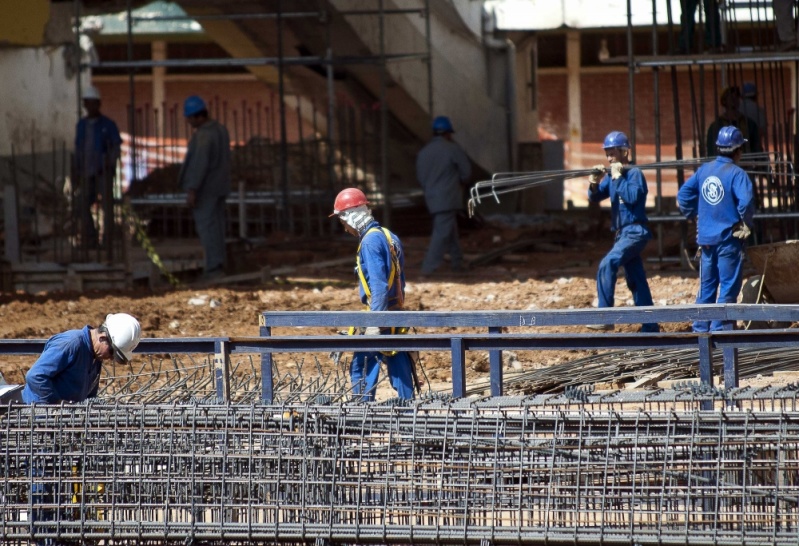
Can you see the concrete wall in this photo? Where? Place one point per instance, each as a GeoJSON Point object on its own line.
{"type": "Point", "coordinates": [461, 75]}
{"type": "Point", "coordinates": [38, 98]}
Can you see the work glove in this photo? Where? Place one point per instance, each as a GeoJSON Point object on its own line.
{"type": "Point", "coordinates": [616, 170]}
{"type": "Point", "coordinates": [741, 230]}
{"type": "Point", "coordinates": [597, 172]}
{"type": "Point", "coordinates": [372, 331]}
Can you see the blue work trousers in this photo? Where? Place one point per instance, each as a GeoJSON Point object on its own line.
{"type": "Point", "coordinates": [720, 280]}
{"type": "Point", "coordinates": [444, 239]}
{"type": "Point", "coordinates": [209, 220]}
{"type": "Point", "coordinates": [626, 252]}
{"type": "Point", "coordinates": [365, 371]}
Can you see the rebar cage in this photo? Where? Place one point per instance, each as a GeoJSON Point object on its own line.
{"type": "Point", "coordinates": [435, 472]}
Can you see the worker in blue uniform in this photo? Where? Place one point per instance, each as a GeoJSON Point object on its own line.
{"type": "Point", "coordinates": [68, 370]}
{"type": "Point", "coordinates": [97, 151]}
{"type": "Point", "coordinates": [379, 266]}
{"type": "Point", "coordinates": [205, 177]}
{"type": "Point", "coordinates": [626, 188]}
{"type": "Point", "coordinates": [719, 195]}
{"type": "Point", "coordinates": [443, 169]}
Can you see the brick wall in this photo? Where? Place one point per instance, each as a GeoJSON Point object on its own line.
{"type": "Point", "coordinates": [605, 103]}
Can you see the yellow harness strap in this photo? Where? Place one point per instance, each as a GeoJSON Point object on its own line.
{"type": "Point", "coordinates": [394, 275]}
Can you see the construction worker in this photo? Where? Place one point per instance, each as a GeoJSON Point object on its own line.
{"type": "Point", "coordinates": [719, 195]}
{"type": "Point", "coordinates": [68, 370]}
{"type": "Point", "coordinates": [730, 101]}
{"type": "Point", "coordinates": [626, 188]}
{"type": "Point", "coordinates": [97, 149]}
{"type": "Point", "coordinates": [205, 177]}
{"type": "Point", "coordinates": [442, 169]}
{"type": "Point", "coordinates": [379, 266]}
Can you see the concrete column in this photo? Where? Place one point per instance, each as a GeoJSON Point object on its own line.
{"type": "Point", "coordinates": [158, 53]}
{"type": "Point", "coordinates": [573, 71]}
{"type": "Point", "coordinates": [526, 91]}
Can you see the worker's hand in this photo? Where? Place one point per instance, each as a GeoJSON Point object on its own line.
{"type": "Point", "coordinates": [616, 170]}
{"type": "Point", "coordinates": [741, 230]}
{"type": "Point", "coordinates": [597, 172]}
{"type": "Point", "coordinates": [372, 331]}
{"type": "Point", "coordinates": [191, 199]}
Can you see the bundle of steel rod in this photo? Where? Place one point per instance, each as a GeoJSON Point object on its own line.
{"type": "Point", "coordinates": [756, 165]}
{"type": "Point", "coordinates": [619, 367]}
{"type": "Point", "coordinates": [464, 472]}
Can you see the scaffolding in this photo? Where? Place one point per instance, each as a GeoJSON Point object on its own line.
{"type": "Point", "coordinates": [741, 52]}
{"type": "Point", "coordinates": [283, 186]}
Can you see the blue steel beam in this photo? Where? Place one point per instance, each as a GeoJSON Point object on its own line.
{"type": "Point", "coordinates": [523, 319]}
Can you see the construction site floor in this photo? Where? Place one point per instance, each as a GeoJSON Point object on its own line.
{"type": "Point", "coordinates": [545, 264]}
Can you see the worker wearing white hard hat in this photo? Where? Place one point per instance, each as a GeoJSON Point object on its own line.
{"type": "Point", "coordinates": [68, 370]}
{"type": "Point", "coordinates": [97, 150]}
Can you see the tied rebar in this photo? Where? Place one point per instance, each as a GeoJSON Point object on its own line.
{"type": "Point", "coordinates": [500, 471]}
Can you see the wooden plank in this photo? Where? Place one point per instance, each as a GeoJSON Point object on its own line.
{"type": "Point", "coordinates": [646, 381]}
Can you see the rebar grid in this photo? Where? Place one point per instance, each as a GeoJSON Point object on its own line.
{"type": "Point", "coordinates": [434, 472]}
{"type": "Point", "coordinates": [156, 379]}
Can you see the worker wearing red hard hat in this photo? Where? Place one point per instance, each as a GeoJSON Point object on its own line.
{"type": "Point", "coordinates": [379, 266]}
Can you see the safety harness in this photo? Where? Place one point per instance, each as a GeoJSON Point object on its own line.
{"type": "Point", "coordinates": [394, 277]}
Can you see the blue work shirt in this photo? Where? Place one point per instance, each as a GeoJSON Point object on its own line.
{"type": "Point", "coordinates": [627, 197]}
{"type": "Point", "coordinates": [101, 155]}
{"type": "Point", "coordinates": [719, 194]}
{"type": "Point", "coordinates": [67, 370]}
{"type": "Point", "coordinates": [375, 257]}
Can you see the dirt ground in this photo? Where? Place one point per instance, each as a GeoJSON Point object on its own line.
{"type": "Point", "coordinates": [555, 269]}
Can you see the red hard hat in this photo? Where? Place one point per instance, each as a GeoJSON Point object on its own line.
{"type": "Point", "coordinates": [348, 198]}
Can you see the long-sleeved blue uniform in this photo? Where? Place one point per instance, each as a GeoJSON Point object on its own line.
{"type": "Point", "coordinates": [67, 370]}
{"type": "Point", "coordinates": [719, 195]}
{"type": "Point", "coordinates": [628, 219]}
{"type": "Point", "coordinates": [374, 263]}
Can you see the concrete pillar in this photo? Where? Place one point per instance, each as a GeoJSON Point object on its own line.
{"type": "Point", "coordinates": [158, 53]}
{"type": "Point", "coordinates": [526, 91]}
{"type": "Point", "coordinates": [573, 71]}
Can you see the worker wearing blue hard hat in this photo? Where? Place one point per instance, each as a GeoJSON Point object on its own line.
{"type": "Point", "coordinates": [719, 195]}
{"type": "Point", "coordinates": [205, 177]}
{"type": "Point", "coordinates": [443, 169]}
{"type": "Point", "coordinates": [626, 188]}
{"type": "Point", "coordinates": [193, 105]}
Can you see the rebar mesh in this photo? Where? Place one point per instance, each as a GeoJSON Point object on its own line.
{"type": "Point", "coordinates": [498, 470]}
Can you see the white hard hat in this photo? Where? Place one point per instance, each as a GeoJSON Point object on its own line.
{"type": "Point", "coordinates": [125, 334]}
{"type": "Point", "coordinates": [91, 92]}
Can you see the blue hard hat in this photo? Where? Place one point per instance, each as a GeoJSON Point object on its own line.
{"type": "Point", "coordinates": [193, 105]}
{"type": "Point", "coordinates": [729, 139]}
{"type": "Point", "coordinates": [441, 125]}
{"type": "Point", "coordinates": [616, 139]}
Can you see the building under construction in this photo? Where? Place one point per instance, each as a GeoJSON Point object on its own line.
{"type": "Point", "coordinates": [323, 94]}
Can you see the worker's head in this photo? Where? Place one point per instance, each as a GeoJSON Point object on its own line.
{"type": "Point", "coordinates": [122, 333]}
{"type": "Point", "coordinates": [617, 147]}
{"type": "Point", "coordinates": [442, 126]}
{"type": "Point", "coordinates": [91, 101]}
{"type": "Point", "coordinates": [729, 141]}
{"type": "Point", "coordinates": [352, 209]}
{"type": "Point", "coordinates": [195, 110]}
{"type": "Point", "coordinates": [730, 97]}
{"type": "Point", "coordinates": [749, 90]}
